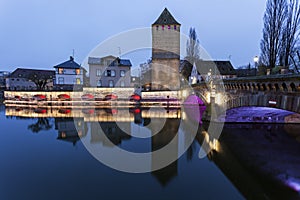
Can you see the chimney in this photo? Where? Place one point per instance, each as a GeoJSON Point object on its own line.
{"type": "Point", "coordinates": [71, 58]}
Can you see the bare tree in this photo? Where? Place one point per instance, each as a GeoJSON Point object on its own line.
{"type": "Point", "coordinates": [271, 42]}
{"type": "Point", "coordinates": [192, 47]}
{"type": "Point", "coordinates": [40, 79]}
{"type": "Point", "coordinates": [290, 33]}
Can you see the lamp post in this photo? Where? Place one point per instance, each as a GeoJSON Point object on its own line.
{"type": "Point", "coordinates": [255, 59]}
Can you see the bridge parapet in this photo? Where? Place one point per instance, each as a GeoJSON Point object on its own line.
{"type": "Point", "coordinates": [274, 83]}
{"type": "Point", "coordinates": [278, 91]}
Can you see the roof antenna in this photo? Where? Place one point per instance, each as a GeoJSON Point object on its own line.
{"type": "Point", "coordinates": [73, 53]}
{"type": "Point", "coordinates": [119, 52]}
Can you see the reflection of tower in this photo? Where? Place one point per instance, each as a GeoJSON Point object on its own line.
{"type": "Point", "coordinates": [161, 139]}
{"type": "Point", "coordinates": [165, 52]}
{"type": "Point", "coordinates": [115, 132]}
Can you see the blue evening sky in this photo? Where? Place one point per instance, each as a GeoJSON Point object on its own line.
{"type": "Point", "coordinates": [41, 34]}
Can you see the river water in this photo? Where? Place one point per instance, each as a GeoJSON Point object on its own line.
{"type": "Point", "coordinates": [46, 158]}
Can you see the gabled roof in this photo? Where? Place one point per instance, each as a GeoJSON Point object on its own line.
{"type": "Point", "coordinates": [165, 18]}
{"type": "Point", "coordinates": [70, 64]}
{"type": "Point", "coordinates": [26, 73]}
{"type": "Point", "coordinates": [223, 67]}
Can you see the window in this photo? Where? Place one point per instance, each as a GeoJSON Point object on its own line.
{"type": "Point", "coordinates": [122, 84]}
{"type": "Point", "coordinates": [122, 73]}
{"type": "Point", "coordinates": [77, 71]}
{"type": "Point", "coordinates": [60, 70]}
{"type": "Point", "coordinates": [157, 28]}
{"type": "Point", "coordinates": [61, 80]}
{"type": "Point", "coordinates": [163, 27]}
{"type": "Point", "coordinates": [175, 27]}
{"type": "Point", "coordinates": [98, 72]}
{"type": "Point", "coordinates": [111, 83]}
{"type": "Point", "coordinates": [78, 81]}
{"type": "Point", "coordinates": [110, 73]}
{"type": "Point", "coordinates": [99, 83]}
{"type": "Point", "coordinates": [169, 27]}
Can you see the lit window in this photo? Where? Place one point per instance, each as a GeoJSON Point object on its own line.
{"type": "Point", "coordinates": [60, 70]}
{"type": "Point", "coordinates": [77, 71]}
{"type": "Point", "coordinates": [98, 72]}
{"type": "Point", "coordinates": [122, 73]}
{"type": "Point", "coordinates": [111, 83]}
{"type": "Point", "coordinates": [78, 81]}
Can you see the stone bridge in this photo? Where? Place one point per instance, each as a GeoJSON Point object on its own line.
{"type": "Point", "coordinates": [277, 91]}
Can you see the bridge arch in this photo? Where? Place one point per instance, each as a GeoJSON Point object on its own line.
{"type": "Point", "coordinates": [265, 99]}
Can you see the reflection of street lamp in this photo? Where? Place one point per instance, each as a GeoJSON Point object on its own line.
{"type": "Point", "coordinates": [255, 59]}
{"type": "Point", "coordinates": [210, 79]}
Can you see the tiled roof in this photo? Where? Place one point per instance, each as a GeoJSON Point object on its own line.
{"type": "Point", "coordinates": [116, 62]}
{"type": "Point", "coordinates": [223, 67]}
{"type": "Point", "coordinates": [25, 73]}
{"type": "Point", "coordinates": [166, 18]}
{"type": "Point", "coordinates": [70, 64]}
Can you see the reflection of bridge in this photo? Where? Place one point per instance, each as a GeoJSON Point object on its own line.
{"type": "Point", "coordinates": [278, 91]}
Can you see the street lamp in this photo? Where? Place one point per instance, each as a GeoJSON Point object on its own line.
{"type": "Point", "coordinates": [255, 59]}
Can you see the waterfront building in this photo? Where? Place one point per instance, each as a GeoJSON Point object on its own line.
{"type": "Point", "coordinates": [30, 79]}
{"type": "Point", "coordinates": [203, 70]}
{"type": "Point", "coordinates": [165, 53]}
{"type": "Point", "coordinates": [3, 76]}
{"type": "Point", "coordinates": [69, 74]}
{"type": "Point", "coordinates": [109, 71]}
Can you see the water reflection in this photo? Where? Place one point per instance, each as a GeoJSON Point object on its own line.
{"type": "Point", "coordinates": [264, 159]}
{"type": "Point", "coordinates": [261, 161]}
{"type": "Point", "coordinates": [42, 124]}
{"type": "Point", "coordinates": [69, 131]}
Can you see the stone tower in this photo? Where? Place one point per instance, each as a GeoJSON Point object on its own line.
{"type": "Point", "coordinates": [165, 52]}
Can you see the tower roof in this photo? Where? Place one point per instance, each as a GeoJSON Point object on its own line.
{"type": "Point", "coordinates": [165, 18]}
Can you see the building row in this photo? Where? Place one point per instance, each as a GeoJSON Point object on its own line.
{"type": "Point", "coordinates": [108, 71]}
